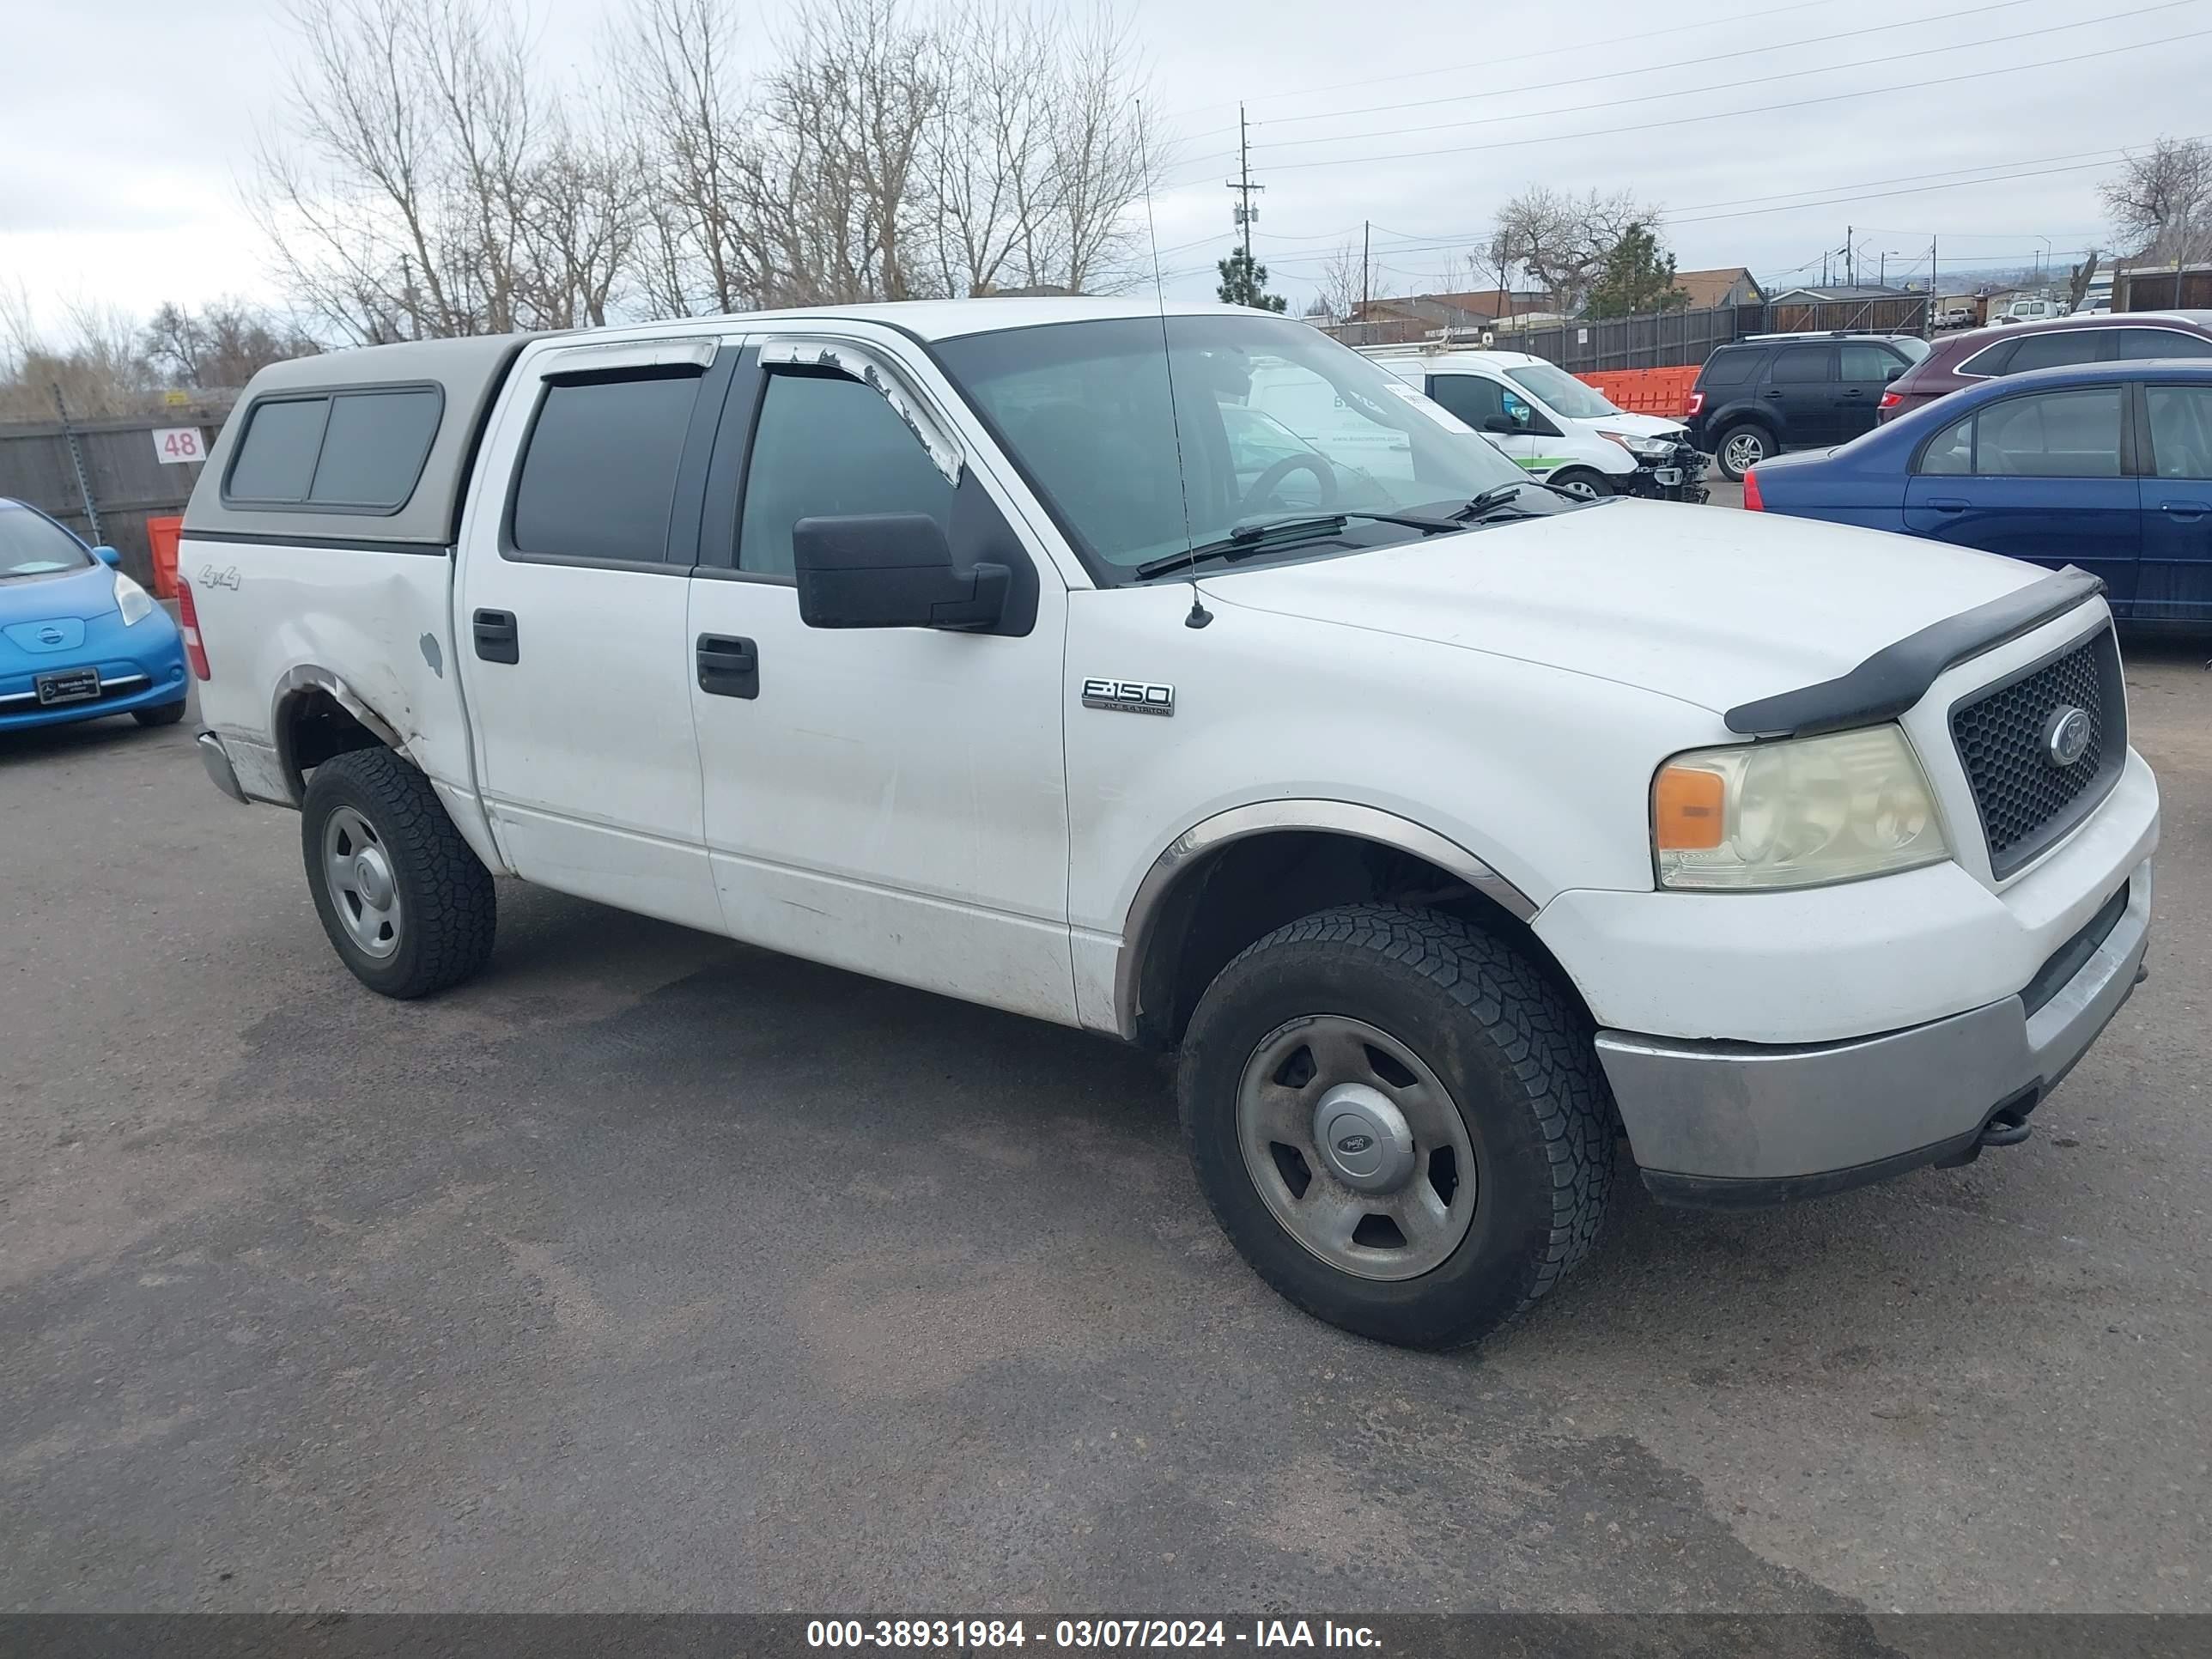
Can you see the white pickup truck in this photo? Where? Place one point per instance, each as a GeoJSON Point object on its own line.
{"type": "Point", "coordinates": [1448, 826]}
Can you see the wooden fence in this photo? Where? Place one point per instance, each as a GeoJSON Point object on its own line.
{"type": "Point", "coordinates": [122, 472]}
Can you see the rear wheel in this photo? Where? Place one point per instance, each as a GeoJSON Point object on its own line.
{"type": "Point", "coordinates": [1741, 448]}
{"type": "Point", "coordinates": [407, 904]}
{"type": "Point", "coordinates": [1581, 481]}
{"type": "Point", "coordinates": [1399, 1122]}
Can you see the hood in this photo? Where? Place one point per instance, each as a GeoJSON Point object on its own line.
{"type": "Point", "coordinates": [1713, 607]}
{"type": "Point", "coordinates": [1636, 426]}
{"type": "Point", "coordinates": [78, 594]}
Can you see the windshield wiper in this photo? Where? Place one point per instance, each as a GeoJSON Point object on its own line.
{"type": "Point", "coordinates": [1245, 540]}
{"type": "Point", "coordinates": [1489, 502]}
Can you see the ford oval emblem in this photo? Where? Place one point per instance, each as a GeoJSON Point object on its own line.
{"type": "Point", "coordinates": [1353, 1146]}
{"type": "Point", "coordinates": [2066, 735]}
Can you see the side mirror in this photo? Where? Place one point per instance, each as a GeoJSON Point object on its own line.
{"type": "Point", "coordinates": [107, 555]}
{"type": "Point", "coordinates": [1504, 423]}
{"type": "Point", "coordinates": [891, 570]}
{"type": "Point", "coordinates": [1893, 375]}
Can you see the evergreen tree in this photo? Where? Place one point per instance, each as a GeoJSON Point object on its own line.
{"type": "Point", "coordinates": [1635, 278]}
{"type": "Point", "coordinates": [1245, 283]}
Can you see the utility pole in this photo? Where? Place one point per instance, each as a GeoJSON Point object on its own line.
{"type": "Point", "coordinates": [1366, 235]}
{"type": "Point", "coordinates": [1243, 184]}
{"type": "Point", "coordinates": [1847, 234]}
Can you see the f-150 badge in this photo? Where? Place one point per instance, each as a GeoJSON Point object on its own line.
{"type": "Point", "coordinates": [1129, 697]}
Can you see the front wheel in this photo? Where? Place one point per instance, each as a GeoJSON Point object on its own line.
{"type": "Point", "coordinates": [1741, 448]}
{"type": "Point", "coordinates": [164, 713]}
{"type": "Point", "coordinates": [406, 902]}
{"type": "Point", "coordinates": [1580, 481]}
{"type": "Point", "coordinates": [1399, 1122]}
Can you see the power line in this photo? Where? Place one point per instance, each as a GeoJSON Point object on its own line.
{"type": "Point", "coordinates": [1489, 64]}
{"type": "Point", "coordinates": [1718, 86]}
{"type": "Point", "coordinates": [1722, 115]}
{"type": "Point", "coordinates": [1678, 62]}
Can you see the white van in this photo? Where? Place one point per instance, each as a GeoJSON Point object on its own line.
{"type": "Point", "coordinates": [1558, 428]}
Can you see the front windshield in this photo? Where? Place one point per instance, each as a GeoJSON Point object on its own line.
{"type": "Point", "coordinates": [1270, 418]}
{"type": "Point", "coordinates": [1577, 400]}
{"type": "Point", "coordinates": [32, 545]}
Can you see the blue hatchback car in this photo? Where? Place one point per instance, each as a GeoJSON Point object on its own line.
{"type": "Point", "coordinates": [78, 639]}
{"type": "Point", "coordinates": [2105, 465]}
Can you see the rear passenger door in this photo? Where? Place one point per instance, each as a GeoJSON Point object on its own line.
{"type": "Point", "coordinates": [2176, 580]}
{"type": "Point", "coordinates": [1801, 390]}
{"type": "Point", "coordinates": [1863, 372]}
{"type": "Point", "coordinates": [571, 618]}
{"type": "Point", "coordinates": [2039, 476]}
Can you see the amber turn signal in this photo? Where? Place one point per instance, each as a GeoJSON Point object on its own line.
{"type": "Point", "coordinates": [1687, 809]}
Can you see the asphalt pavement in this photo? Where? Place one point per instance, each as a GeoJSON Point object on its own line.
{"type": "Point", "coordinates": [654, 1272]}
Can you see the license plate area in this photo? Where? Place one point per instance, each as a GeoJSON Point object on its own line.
{"type": "Point", "coordinates": [68, 685]}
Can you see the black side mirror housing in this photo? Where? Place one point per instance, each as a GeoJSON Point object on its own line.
{"type": "Point", "coordinates": [891, 570]}
{"type": "Point", "coordinates": [1501, 423]}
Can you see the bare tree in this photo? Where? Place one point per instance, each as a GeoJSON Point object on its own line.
{"type": "Point", "coordinates": [1561, 240]}
{"type": "Point", "coordinates": [94, 362]}
{"type": "Point", "coordinates": [222, 345]}
{"type": "Point", "coordinates": [2162, 202]}
{"type": "Point", "coordinates": [1343, 283]}
{"type": "Point", "coordinates": [2078, 280]}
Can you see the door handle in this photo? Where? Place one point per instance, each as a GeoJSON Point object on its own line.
{"type": "Point", "coordinates": [1855, 391]}
{"type": "Point", "coordinates": [2185, 510]}
{"type": "Point", "coordinates": [1771, 392]}
{"type": "Point", "coordinates": [728, 667]}
{"type": "Point", "coordinates": [1947, 503]}
{"type": "Point", "coordinates": [496, 638]}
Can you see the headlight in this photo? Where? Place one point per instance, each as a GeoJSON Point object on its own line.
{"type": "Point", "coordinates": [1650, 449]}
{"type": "Point", "coordinates": [133, 601]}
{"type": "Point", "coordinates": [1799, 813]}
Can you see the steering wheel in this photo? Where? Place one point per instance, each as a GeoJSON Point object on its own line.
{"type": "Point", "coordinates": [1264, 487]}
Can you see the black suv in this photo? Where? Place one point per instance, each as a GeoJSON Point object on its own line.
{"type": "Point", "coordinates": [1758, 397]}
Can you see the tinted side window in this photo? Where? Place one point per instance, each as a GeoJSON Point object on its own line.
{"type": "Point", "coordinates": [2057, 435]}
{"type": "Point", "coordinates": [1867, 362]}
{"type": "Point", "coordinates": [598, 477]}
{"type": "Point", "coordinates": [2181, 429]}
{"type": "Point", "coordinates": [375, 447]}
{"type": "Point", "coordinates": [2141, 342]}
{"type": "Point", "coordinates": [1950, 452]}
{"type": "Point", "coordinates": [1729, 368]}
{"type": "Point", "coordinates": [1470, 397]}
{"type": "Point", "coordinates": [825, 446]}
{"type": "Point", "coordinates": [1990, 359]}
{"type": "Point", "coordinates": [276, 458]}
{"type": "Point", "coordinates": [2059, 347]}
{"type": "Point", "coordinates": [1802, 363]}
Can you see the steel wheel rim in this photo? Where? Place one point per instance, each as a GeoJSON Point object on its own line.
{"type": "Point", "coordinates": [1334, 1062]}
{"type": "Point", "coordinates": [1745, 452]}
{"type": "Point", "coordinates": [364, 886]}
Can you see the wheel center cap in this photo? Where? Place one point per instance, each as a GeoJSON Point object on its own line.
{"type": "Point", "coordinates": [1364, 1138]}
{"type": "Point", "coordinates": [373, 877]}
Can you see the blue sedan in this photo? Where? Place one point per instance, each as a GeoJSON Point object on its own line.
{"type": "Point", "coordinates": [2105, 465]}
{"type": "Point", "coordinates": [78, 639]}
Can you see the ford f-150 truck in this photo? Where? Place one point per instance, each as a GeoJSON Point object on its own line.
{"type": "Point", "coordinates": [1448, 827]}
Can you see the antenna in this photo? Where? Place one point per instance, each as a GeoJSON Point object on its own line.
{"type": "Point", "coordinates": [1199, 615]}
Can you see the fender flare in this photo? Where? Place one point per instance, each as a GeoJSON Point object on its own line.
{"type": "Point", "coordinates": [1264, 817]}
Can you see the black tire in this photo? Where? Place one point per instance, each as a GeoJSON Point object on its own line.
{"type": "Point", "coordinates": [1752, 433]}
{"type": "Point", "coordinates": [1514, 1055]}
{"type": "Point", "coordinates": [446, 896]}
{"type": "Point", "coordinates": [1596, 485]}
{"type": "Point", "coordinates": [164, 713]}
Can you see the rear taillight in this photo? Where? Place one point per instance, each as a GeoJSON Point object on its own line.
{"type": "Point", "coordinates": [1753, 500]}
{"type": "Point", "coordinates": [1697, 405]}
{"type": "Point", "coordinates": [1890, 400]}
{"type": "Point", "coordinates": [188, 620]}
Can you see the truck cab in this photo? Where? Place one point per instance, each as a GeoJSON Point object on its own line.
{"type": "Point", "coordinates": [1176, 673]}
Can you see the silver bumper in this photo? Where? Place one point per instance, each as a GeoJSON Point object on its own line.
{"type": "Point", "coordinates": [219, 769]}
{"type": "Point", "coordinates": [1729, 1123]}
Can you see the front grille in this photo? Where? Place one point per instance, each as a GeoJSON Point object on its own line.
{"type": "Point", "coordinates": [2028, 802]}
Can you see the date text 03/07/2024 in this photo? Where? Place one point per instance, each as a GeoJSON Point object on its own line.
{"type": "Point", "coordinates": [1084, 1633]}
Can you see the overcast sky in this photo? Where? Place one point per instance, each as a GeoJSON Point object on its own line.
{"type": "Point", "coordinates": [129, 123]}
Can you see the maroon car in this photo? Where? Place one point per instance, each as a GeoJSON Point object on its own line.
{"type": "Point", "coordinates": [2101, 336]}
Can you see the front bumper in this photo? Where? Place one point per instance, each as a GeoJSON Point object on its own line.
{"type": "Point", "coordinates": [1678, 477]}
{"type": "Point", "coordinates": [1729, 1124]}
{"type": "Point", "coordinates": [140, 667]}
